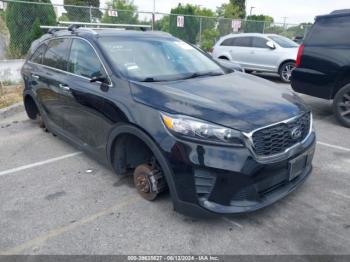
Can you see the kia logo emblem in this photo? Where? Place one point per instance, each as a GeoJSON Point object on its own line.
{"type": "Point", "coordinates": [296, 133]}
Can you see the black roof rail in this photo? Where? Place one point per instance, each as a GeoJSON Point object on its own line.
{"type": "Point", "coordinates": [73, 27]}
{"type": "Point", "coordinates": [52, 30]}
{"type": "Point", "coordinates": [341, 11]}
{"type": "Point", "coordinates": [335, 13]}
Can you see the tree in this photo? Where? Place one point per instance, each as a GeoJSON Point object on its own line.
{"type": "Point", "coordinates": [191, 27]}
{"type": "Point", "coordinates": [257, 23]}
{"type": "Point", "coordinates": [162, 24]}
{"type": "Point", "coordinates": [227, 12]}
{"type": "Point", "coordinates": [78, 11]}
{"type": "Point", "coordinates": [23, 21]}
{"type": "Point", "coordinates": [127, 12]}
{"type": "Point", "coordinates": [208, 30]}
{"type": "Point", "coordinates": [63, 17]}
{"type": "Point", "coordinates": [209, 38]}
{"type": "Point", "coordinates": [241, 7]}
{"type": "Point", "coordinates": [299, 30]}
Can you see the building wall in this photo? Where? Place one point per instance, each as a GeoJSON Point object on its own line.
{"type": "Point", "coordinates": [10, 70]}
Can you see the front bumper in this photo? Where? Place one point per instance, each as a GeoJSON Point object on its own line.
{"type": "Point", "coordinates": [224, 180]}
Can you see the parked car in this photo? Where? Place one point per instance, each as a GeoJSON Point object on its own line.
{"type": "Point", "coordinates": [323, 63]}
{"type": "Point", "coordinates": [298, 39]}
{"type": "Point", "coordinates": [229, 64]}
{"type": "Point", "coordinates": [151, 104]}
{"type": "Point", "coordinates": [259, 52]}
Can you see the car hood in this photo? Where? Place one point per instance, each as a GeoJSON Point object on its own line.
{"type": "Point", "coordinates": [237, 100]}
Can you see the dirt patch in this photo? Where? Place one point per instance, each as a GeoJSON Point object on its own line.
{"type": "Point", "coordinates": [10, 95]}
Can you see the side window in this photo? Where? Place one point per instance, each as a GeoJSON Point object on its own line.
{"type": "Point", "coordinates": [259, 42]}
{"type": "Point", "coordinates": [57, 53]}
{"type": "Point", "coordinates": [38, 55]}
{"type": "Point", "coordinates": [83, 60]}
{"type": "Point", "coordinates": [227, 42]}
{"type": "Point", "coordinates": [242, 41]}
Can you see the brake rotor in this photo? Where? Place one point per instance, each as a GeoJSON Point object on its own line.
{"type": "Point", "coordinates": [143, 176]}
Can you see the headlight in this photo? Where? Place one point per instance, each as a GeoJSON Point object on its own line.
{"type": "Point", "coordinates": [196, 129]}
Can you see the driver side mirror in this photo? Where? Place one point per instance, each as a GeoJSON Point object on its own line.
{"type": "Point", "coordinates": [102, 79]}
{"type": "Point", "coordinates": [104, 82]}
{"type": "Point", "coordinates": [270, 45]}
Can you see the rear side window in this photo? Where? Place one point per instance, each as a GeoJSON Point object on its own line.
{"type": "Point", "coordinates": [227, 42]}
{"type": "Point", "coordinates": [57, 53]}
{"type": "Point", "coordinates": [242, 41]}
{"type": "Point", "coordinates": [84, 61]}
{"type": "Point", "coordinates": [330, 31]}
{"type": "Point", "coordinates": [38, 55]}
{"type": "Point", "coordinates": [259, 42]}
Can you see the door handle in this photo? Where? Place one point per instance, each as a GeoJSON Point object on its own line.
{"type": "Point", "coordinates": [64, 87]}
{"type": "Point", "coordinates": [35, 76]}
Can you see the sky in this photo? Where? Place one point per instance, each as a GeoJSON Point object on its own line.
{"type": "Point", "coordinates": [294, 12]}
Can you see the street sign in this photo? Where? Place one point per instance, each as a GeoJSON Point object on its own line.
{"type": "Point", "coordinates": [236, 25]}
{"type": "Point", "coordinates": [180, 21]}
{"type": "Point", "coordinates": [112, 13]}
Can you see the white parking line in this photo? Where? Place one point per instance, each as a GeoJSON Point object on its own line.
{"type": "Point", "coordinates": [232, 222]}
{"type": "Point", "coordinates": [339, 194]}
{"type": "Point", "coordinates": [51, 160]}
{"type": "Point", "coordinates": [333, 146]}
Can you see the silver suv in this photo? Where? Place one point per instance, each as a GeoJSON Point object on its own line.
{"type": "Point", "coordinates": [259, 52]}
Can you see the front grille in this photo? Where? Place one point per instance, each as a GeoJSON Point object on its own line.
{"type": "Point", "coordinates": [277, 138]}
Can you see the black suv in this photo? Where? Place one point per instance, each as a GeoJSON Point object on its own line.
{"type": "Point", "coordinates": [146, 102]}
{"type": "Point", "coordinates": [323, 63]}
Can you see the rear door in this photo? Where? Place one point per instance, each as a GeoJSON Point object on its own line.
{"type": "Point", "coordinates": [53, 78]}
{"type": "Point", "coordinates": [241, 51]}
{"type": "Point", "coordinates": [32, 70]}
{"type": "Point", "coordinates": [223, 48]}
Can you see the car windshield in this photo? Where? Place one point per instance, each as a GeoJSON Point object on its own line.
{"type": "Point", "coordinates": [283, 41]}
{"type": "Point", "coordinates": [162, 59]}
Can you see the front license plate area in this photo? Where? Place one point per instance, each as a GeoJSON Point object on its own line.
{"type": "Point", "coordinates": [297, 166]}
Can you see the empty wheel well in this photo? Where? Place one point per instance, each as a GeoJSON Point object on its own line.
{"type": "Point", "coordinates": [30, 107]}
{"type": "Point", "coordinates": [129, 151]}
{"type": "Point", "coordinates": [286, 61]}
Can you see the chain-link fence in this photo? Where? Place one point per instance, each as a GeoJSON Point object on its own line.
{"type": "Point", "coordinates": [20, 23]}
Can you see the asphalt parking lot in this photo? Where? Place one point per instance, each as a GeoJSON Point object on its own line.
{"type": "Point", "coordinates": [56, 200]}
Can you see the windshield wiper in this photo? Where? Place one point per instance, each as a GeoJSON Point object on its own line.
{"type": "Point", "coordinates": [211, 73]}
{"type": "Point", "coordinates": [149, 79]}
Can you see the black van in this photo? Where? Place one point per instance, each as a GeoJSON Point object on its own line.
{"type": "Point", "coordinates": [323, 63]}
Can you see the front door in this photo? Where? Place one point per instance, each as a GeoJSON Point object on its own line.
{"type": "Point", "coordinates": [84, 103]}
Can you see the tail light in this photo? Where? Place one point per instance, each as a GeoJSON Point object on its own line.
{"type": "Point", "coordinates": [300, 53]}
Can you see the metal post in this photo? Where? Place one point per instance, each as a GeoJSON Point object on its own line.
{"type": "Point", "coordinates": [90, 14]}
{"type": "Point", "coordinates": [154, 15]}
{"type": "Point", "coordinates": [200, 31]}
{"type": "Point", "coordinates": [263, 28]}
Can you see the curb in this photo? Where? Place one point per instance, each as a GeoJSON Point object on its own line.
{"type": "Point", "coordinates": [11, 110]}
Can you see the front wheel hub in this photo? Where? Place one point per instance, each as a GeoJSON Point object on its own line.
{"type": "Point", "coordinates": [148, 181]}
